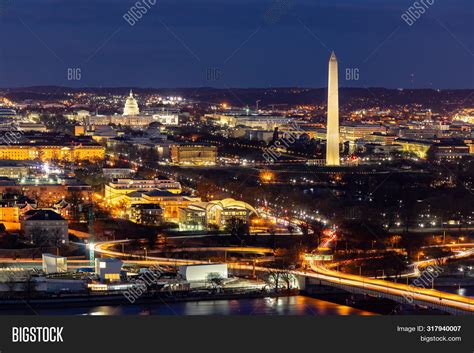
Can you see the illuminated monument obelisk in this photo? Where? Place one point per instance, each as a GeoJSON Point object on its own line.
{"type": "Point", "coordinates": [332, 134]}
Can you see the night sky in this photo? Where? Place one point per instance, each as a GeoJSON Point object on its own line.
{"type": "Point", "coordinates": [251, 43]}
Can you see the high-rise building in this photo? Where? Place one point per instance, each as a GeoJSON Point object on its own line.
{"type": "Point", "coordinates": [332, 134]}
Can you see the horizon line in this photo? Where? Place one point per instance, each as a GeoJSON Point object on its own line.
{"type": "Point", "coordinates": [227, 88]}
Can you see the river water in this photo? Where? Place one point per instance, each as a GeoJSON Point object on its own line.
{"type": "Point", "coordinates": [464, 291]}
{"type": "Point", "coordinates": [294, 305]}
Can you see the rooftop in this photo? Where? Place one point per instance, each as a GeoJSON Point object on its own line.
{"type": "Point", "coordinates": [48, 139]}
{"type": "Point", "coordinates": [158, 192]}
{"type": "Point", "coordinates": [43, 215]}
{"type": "Point", "coordinates": [146, 206]}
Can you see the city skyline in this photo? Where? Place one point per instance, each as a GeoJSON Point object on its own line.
{"type": "Point", "coordinates": [235, 189]}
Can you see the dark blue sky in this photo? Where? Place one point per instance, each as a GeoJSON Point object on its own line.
{"type": "Point", "coordinates": [176, 42]}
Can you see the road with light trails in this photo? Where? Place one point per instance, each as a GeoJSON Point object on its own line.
{"type": "Point", "coordinates": [395, 291]}
{"type": "Point", "coordinates": [253, 250]}
{"type": "Point", "coordinates": [450, 245]}
{"type": "Point", "coordinates": [103, 248]}
{"type": "Point", "coordinates": [432, 262]}
{"type": "Point", "coordinates": [402, 291]}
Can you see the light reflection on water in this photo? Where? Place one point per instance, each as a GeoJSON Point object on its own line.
{"type": "Point", "coordinates": [294, 305]}
{"type": "Point", "coordinates": [464, 291]}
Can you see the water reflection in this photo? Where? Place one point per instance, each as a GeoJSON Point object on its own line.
{"type": "Point", "coordinates": [294, 305]}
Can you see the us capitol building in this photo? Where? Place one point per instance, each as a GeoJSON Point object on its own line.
{"type": "Point", "coordinates": [131, 116]}
{"type": "Point", "coordinates": [131, 106]}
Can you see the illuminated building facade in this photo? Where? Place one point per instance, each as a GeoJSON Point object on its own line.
{"type": "Point", "coordinates": [264, 122]}
{"type": "Point", "coordinates": [146, 214]}
{"type": "Point", "coordinates": [10, 216]}
{"type": "Point", "coordinates": [200, 215]}
{"type": "Point", "coordinates": [193, 217]}
{"type": "Point", "coordinates": [466, 115]}
{"type": "Point", "coordinates": [194, 154]}
{"type": "Point", "coordinates": [418, 147]}
{"type": "Point", "coordinates": [44, 153]}
{"type": "Point", "coordinates": [117, 189]}
{"type": "Point", "coordinates": [50, 147]}
{"type": "Point", "coordinates": [136, 121]}
{"type": "Point", "coordinates": [131, 106]}
{"type": "Point", "coordinates": [382, 138]}
{"type": "Point", "coordinates": [167, 119]}
{"type": "Point", "coordinates": [359, 131]}
{"type": "Point", "coordinates": [12, 209]}
{"type": "Point", "coordinates": [169, 203]}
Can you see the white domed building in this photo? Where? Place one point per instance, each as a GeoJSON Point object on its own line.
{"type": "Point", "coordinates": [131, 106]}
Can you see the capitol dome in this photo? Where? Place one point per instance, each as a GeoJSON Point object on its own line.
{"type": "Point", "coordinates": [131, 106]}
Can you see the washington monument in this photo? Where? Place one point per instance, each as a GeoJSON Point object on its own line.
{"type": "Point", "coordinates": [332, 134]}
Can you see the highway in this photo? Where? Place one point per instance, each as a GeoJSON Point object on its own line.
{"type": "Point", "coordinates": [395, 289]}
{"type": "Point", "coordinates": [365, 285]}
{"type": "Point", "coordinates": [252, 250]}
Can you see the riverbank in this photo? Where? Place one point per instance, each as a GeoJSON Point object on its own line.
{"type": "Point", "coordinates": [120, 299]}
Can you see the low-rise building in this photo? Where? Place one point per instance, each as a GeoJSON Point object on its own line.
{"type": "Point", "coordinates": [418, 147]}
{"type": "Point", "coordinates": [108, 269]}
{"type": "Point", "coordinates": [45, 226]}
{"type": "Point", "coordinates": [194, 154]}
{"type": "Point", "coordinates": [46, 193]}
{"type": "Point", "coordinates": [167, 119]}
{"type": "Point", "coordinates": [12, 209]}
{"type": "Point", "coordinates": [200, 215]}
{"type": "Point", "coordinates": [146, 214]}
{"type": "Point", "coordinates": [133, 121]}
{"type": "Point", "coordinates": [117, 189]}
{"type": "Point", "coordinates": [16, 169]}
{"type": "Point", "coordinates": [117, 173]}
{"type": "Point", "coordinates": [50, 147]}
{"type": "Point", "coordinates": [259, 135]}
{"type": "Point", "coordinates": [53, 263]}
{"type": "Point", "coordinates": [169, 202]}
{"type": "Point", "coordinates": [193, 217]}
{"type": "Point", "coordinates": [358, 131]}
{"type": "Point", "coordinates": [10, 216]}
{"type": "Point", "coordinates": [449, 150]}
{"type": "Point", "coordinates": [204, 272]}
